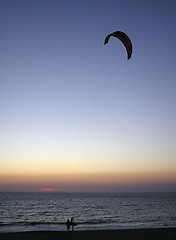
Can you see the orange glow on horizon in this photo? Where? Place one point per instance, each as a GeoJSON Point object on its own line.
{"type": "Point", "coordinates": [51, 190]}
{"type": "Point", "coordinates": [57, 182]}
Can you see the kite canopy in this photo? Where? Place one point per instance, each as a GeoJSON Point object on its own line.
{"type": "Point", "coordinates": [124, 39]}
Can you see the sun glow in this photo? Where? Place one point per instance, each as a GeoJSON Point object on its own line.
{"type": "Point", "coordinates": [51, 190]}
{"type": "Point", "coordinates": [85, 181]}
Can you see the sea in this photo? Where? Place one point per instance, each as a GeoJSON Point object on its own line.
{"type": "Point", "coordinates": [21, 212]}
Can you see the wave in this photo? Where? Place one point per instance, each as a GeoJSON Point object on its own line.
{"type": "Point", "coordinates": [30, 223]}
{"type": "Point", "coordinates": [89, 222]}
{"type": "Point", "coordinates": [60, 226]}
{"type": "Point", "coordinates": [37, 223]}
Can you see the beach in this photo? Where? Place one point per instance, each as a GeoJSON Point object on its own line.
{"type": "Point", "coordinates": [130, 234]}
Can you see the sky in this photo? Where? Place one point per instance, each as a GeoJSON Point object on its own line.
{"type": "Point", "coordinates": [76, 115]}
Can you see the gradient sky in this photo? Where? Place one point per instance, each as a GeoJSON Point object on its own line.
{"type": "Point", "coordinates": [75, 114]}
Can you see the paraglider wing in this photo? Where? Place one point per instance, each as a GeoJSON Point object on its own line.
{"type": "Point", "coordinates": [124, 39]}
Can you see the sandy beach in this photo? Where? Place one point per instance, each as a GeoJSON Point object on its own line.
{"type": "Point", "coordinates": [136, 234]}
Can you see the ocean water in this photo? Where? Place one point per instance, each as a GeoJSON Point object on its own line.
{"type": "Point", "coordinates": [50, 211]}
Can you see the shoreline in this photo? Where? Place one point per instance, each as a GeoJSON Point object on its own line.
{"type": "Point", "coordinates": [81, 229]}
{"type": "Point", "coordinates": [120, 234]}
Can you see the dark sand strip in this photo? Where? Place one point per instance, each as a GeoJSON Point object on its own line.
{"type": "Point", "coordinates": [132, 234]}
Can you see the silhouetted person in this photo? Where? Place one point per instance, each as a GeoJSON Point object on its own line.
{"type": "Point", "coordinates": [68, 225]}
{"type": "Point", "coordinates": [72, 223]}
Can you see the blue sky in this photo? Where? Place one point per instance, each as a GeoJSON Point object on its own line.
{"type": "Point", "coordinates": [69, 103]}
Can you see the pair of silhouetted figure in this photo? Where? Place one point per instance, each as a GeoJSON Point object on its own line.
{"type": "Point", "coordinates": [70, 223]}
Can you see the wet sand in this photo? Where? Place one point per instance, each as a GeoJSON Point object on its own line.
{"type": "Point", "coordinates": [132, 234]}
